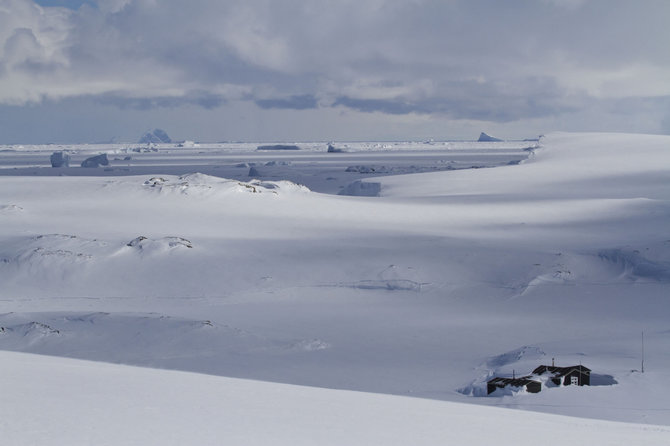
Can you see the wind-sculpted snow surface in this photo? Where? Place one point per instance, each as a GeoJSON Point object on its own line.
{"type": "Point", "coordinates": [148, 339]}
{"type": "Point", "coordinates": [392, 278]}
{"type": "Point", "coordinates": [62, 259]}
{"type": "Point", "coordinates": [525, 352]}
{"type": "Point", "coordinates": [428, 285]}
{"type": "Point", "coordinates": [10, 208]}
{"type": "Point", "coordinates": [200, 184]}
{"type": "Point", "coordinates": [634, 265]}
{"type": "Point", "coordinates": [145, 244]}
{"type": "Point", "coordinates": [52, 253]}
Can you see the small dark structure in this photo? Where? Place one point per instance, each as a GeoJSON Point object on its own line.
{"type": "Point", "coordinates": [574, 375]}
{"type": "Point", "coordinates": [530, 384]}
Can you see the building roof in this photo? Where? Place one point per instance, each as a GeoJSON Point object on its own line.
{"type": "Point", "coordinates": [560, 371]}
{"type": "Point", "coordinates": [516, 382]}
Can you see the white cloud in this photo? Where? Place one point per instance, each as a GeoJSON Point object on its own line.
{"type": "Point", "coordinates": [463, 59]}
{"type": "Point", "coordinates": [32, 49]}
{"type": "Point", "coordinates": [635, 80]}
{"type": "Point", "coordinates": [249, 32]}
{"type": "Point", "coordinates": [112, 6]}
{"type": "Point", "coordinates": [568, 4]}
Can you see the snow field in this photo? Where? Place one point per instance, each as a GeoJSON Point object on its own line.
{"type": "Point", "coordinates": [425, 290]}
{"type": "Point", "coordinates": [64, 401]}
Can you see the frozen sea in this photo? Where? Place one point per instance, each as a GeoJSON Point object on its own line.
{"type": "Point", "coordinates": [312, 165]}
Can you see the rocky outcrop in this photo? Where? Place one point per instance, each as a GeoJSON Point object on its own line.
{"type": "Point", "coordinates": [60, 159]}
{"type": "Point", "coordinates": [158, 136]}
{"type": "Point", "coordinates": [96, 161]}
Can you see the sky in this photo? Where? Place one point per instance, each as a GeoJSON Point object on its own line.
{"type": "Point", "coordinates": [74, 71]}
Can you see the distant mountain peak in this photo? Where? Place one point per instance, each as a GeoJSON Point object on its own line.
{"type": "Point", "coordinates": [156, 137]}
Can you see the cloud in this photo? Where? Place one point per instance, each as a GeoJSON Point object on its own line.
{"type": "Point", "coordinates": [394, 107]}
{"type": "Point", "coordinates": [458, 59]}
{"type": "Point", "coordinates": [512, 109]}
{"type": "Point", "coordinates": [201, 99]}
{"type": "Point", "coordinates": [22, 45]}
{"type": "Point", "coordinates": [476, 100]}
{"type": "Point", "coordinates": [299, 102]}
{"type": "Point", "coordinates": [71, 4]}
{"type": "Point", "coordinates": [569, 4]}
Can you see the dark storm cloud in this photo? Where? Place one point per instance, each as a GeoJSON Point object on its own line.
{"type": "Point", "coordinates": [300, 102]}
{"type": "Point", "coordinates": [511, 110]}
{"type": "Point", "coordinates": [394, 107]}
{"type": "Point", "coordinates": [479, 101]}
{"type": "Point", "coordinates": [204, 100]}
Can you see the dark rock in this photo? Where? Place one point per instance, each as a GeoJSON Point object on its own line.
{"type": "Point", "coordinates": [95, 161]}
{"type": "Point", "coordinates": [136, 241]}
{"type": "Point", "coordinates": [155, 182]}
{"type": "Point", "coordinates": [361, 169]}
{"type": "Point", "coordinates": [60, 159]}
{"type": "Point", "coordinates": [158, 136]}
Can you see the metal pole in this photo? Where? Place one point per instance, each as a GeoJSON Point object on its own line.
{"type": "Point", "coordinates": [642, 351]}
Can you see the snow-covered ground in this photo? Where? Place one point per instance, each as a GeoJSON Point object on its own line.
{"type": "Point", "coordinates": [65, 401]}
{"type": "Point", "coordinates": [447, 276]}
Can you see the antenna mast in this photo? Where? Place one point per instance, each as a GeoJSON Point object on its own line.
{"type": "Point", "coordinates": [642, 351]}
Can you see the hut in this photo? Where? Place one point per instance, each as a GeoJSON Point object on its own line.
{"type": "Point", "coordinates": [530, 384]}
{"type": "Point", "coordinates": [577, 375]}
